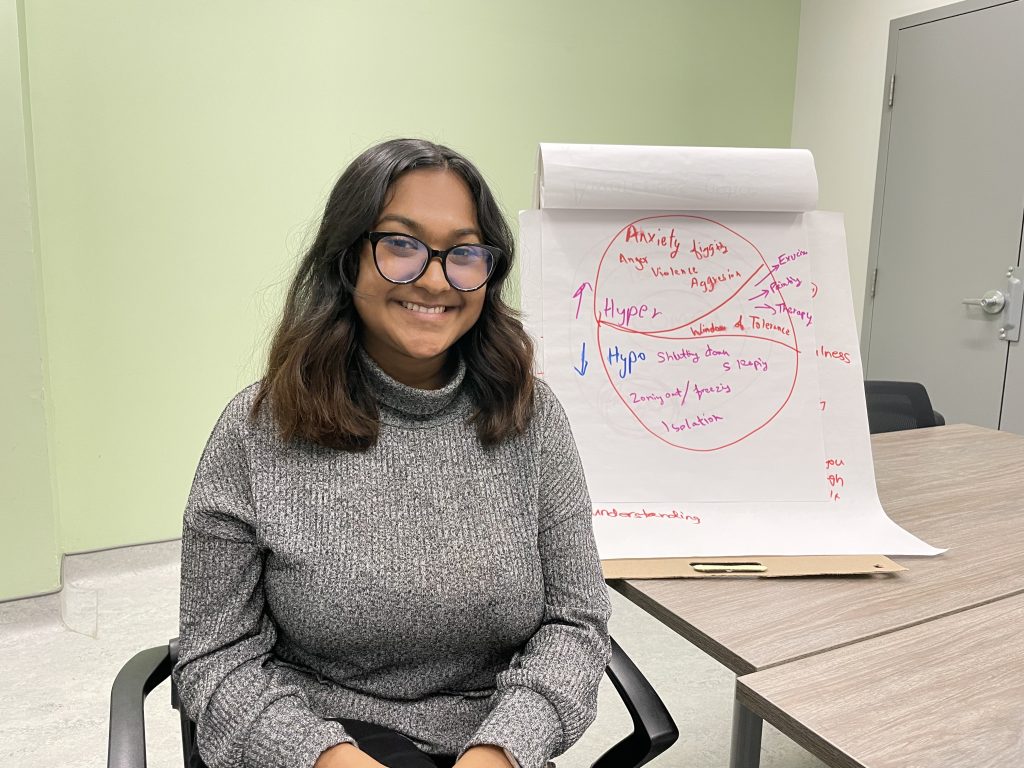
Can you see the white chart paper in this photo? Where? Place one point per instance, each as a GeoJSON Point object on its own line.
{"type": "Point", "coordinates": [611, 177]}
{"type": "Point", "coordinates": [708, 361]}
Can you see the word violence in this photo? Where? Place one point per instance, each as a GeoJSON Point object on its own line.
{"type": "Point", "coordinates": [674, 272]}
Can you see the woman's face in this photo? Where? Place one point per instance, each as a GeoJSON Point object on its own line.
{"type": "Point", "coordinates": [408, 329]}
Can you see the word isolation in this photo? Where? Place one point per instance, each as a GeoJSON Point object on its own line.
{"type": "Point", "coordinates": [689, 425]}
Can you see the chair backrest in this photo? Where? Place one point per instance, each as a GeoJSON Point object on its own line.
{"type": "Point", "coordinates": [188, 728]}
{"type": "Point", "coordinates": [896, 405]}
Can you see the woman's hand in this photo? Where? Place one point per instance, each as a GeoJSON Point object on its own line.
{"type": "Point", "coordinates": [483, 756]}
{"type": "Point", "coordinates": [346, 756]}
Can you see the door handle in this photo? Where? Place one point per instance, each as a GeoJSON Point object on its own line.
{"type": "Point", "coordinates": [992, 302]}
{"type": "Point", "coordinates": [1014, 306]}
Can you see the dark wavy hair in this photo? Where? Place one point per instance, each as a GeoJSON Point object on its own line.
{"type": "Point", "coordinates": [315, 380]}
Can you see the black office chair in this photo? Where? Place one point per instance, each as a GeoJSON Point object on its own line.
{"type": "Point", "coordinates": [897, 405]}
{"type": "Point", "coordinates": [653, 728]}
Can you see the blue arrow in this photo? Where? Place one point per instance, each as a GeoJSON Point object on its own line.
{"type": "Point", "coordinates": [582, 369]}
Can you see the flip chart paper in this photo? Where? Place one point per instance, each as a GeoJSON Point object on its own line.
{"type": "Point", "coordinates": [603, 176]}
{"type": "Point", "coordinates": [675, 377]}
{"type": "Point", "coordinates": [709, 365]}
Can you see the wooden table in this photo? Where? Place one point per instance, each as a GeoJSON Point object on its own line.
{"type": "Point", "coordinates": [949, 692]}
{"type": "Point", "coordinates": [955, 486]}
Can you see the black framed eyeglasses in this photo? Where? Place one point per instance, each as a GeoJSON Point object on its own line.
{"type": "Point", "coordinates": [402, 259]}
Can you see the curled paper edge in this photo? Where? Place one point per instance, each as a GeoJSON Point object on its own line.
{"type": "Point", "coordinates": [628, 177]}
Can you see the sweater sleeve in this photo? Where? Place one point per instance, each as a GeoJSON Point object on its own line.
{"type": "Point", "coordinates": [547, 697]}
{"type": "Point", "coordinates": [246, 718]}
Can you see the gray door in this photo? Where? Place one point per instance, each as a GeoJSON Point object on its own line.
{"type": "Point", "coordinates": [948, 212]}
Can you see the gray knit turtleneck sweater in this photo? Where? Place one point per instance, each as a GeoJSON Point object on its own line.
{"type": "Point", "coordinates": [450, 592]}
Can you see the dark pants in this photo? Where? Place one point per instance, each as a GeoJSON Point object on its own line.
{"type": "Point", "coordinates": [391, 748]}
{"type": "Point", "coordinates": [382, 744]}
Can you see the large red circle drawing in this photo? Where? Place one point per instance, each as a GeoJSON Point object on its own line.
{"type": "Point", "coordinates": [680, 341]}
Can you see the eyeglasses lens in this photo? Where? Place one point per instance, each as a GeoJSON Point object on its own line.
{"type": "Point", "coordinates": [469, 266]}
{"type": "Point", "coordinates": [402, 260]}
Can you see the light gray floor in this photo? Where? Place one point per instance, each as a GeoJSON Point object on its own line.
{"type": "Point", "coordinates": [60, 653]}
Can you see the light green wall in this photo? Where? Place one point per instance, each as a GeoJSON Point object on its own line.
{"type": "Point", "coordinates": [183, 151]}
{"type": "Point", "coordinates": [29, 561]}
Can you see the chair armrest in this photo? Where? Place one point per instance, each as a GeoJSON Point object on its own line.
{"type": "Point", "coordinates": [126, 745]}
{"type": "Point", "coordinates": [653, 728]}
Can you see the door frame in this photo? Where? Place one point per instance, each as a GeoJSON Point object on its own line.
{"type": "Point", "coordinates": [895, 27]}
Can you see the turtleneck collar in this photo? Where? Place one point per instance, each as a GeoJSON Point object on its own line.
{"type": "Point", "coordinates": [418, 404]}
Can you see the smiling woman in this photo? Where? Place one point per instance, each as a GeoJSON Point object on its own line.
{"type": "Point", "coordinates": [410, 324]}
{"type": "Point", "coordinates": [387, 554]}
{"type": "Point", "coordinates": [337, 304]}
